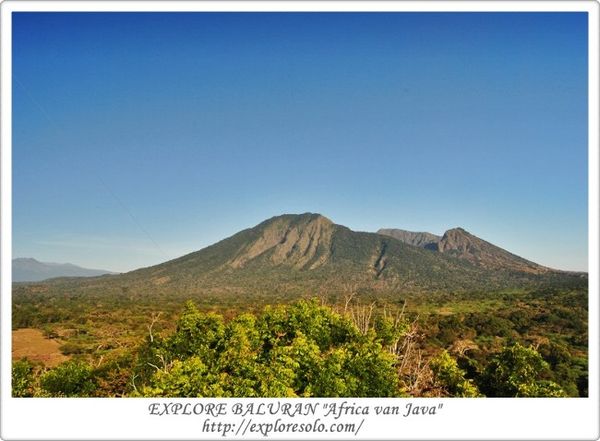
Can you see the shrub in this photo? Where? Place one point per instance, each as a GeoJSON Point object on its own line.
{"type": "Point", "coordinates": [517, 372]}
{"type": "Point", "coordinates": [450, 377]}
{"type": "Point", "coordinates": [69, 379]}
{"type": "Point", "coordinates": [22, 378]}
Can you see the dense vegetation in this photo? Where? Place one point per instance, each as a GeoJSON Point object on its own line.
{"type": "Point", "coordinates": [522, 343]}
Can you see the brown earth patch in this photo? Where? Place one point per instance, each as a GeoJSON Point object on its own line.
{"type": "Point", "coordinates": [32, 344]}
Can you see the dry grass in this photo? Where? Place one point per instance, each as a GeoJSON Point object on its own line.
{"type": "Point", "coordinates": [31, 343]}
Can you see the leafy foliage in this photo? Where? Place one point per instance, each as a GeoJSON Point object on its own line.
{"type": "Point", "coordinates": [449, 376]}
{"type": "Point", "coordinates": [302, 350]}
{"type": "Point", "coordinates": [22, 379]}
{"type": "Point", "coordinates": [69, 379]}
{"type": "Point", "coordinates": [517, 372]}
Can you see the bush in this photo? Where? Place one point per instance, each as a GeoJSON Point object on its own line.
{"type": "Point", "coordinates": [22, 378]}
{"type": "Point", "coordinates": [71, 348]}
{"type": "Point", "coordinates": [69, 379]}
{"type": "Point", "coordinates": [447, 375]}
{"type": "Point", "coordinates": [517, 372]}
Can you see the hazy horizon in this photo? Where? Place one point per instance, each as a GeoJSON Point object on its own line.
{"type": "Point", "coordinates": [138, 138]}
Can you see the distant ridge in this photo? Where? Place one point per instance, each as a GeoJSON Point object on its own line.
{"type": "Point", "coordinates": [27, 269]}
{"type": "Point", "coordinates": [299, 254]}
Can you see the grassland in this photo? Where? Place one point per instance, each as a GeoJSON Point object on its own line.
{"type": "Point", "coordinates": [34, 345]}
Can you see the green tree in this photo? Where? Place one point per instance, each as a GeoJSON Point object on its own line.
{"type": "Point", "coordinates": [22, 378]}
{"type": "Point", "coordinates": [390, 330]}
{"type": "Point", "coordinates": [358, 369]}
{"type": "Point", "coordinates": [518, 371]}
{"type": "Point", "coordinates": [450, 377]}
{"type": "Point", "coordinates": [69, 379]}
{"type": "Point", "coordinates": [197, 333]}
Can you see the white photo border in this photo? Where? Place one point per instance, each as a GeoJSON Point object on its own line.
{"type": "Point", "coordinates": [129, 418]}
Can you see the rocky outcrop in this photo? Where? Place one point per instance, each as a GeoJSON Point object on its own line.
{"type": "Point", "coordinates": [300, 242]}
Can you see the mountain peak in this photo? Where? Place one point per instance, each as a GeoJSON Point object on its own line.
{"type": "Point", "coordinates": [300, 240]}
{"type": "Point", "coordinates": [25, 260]}
{"type": "Point", "coordinates": [308, 216]}
{"type": "Point", "coordinates": [458, 239]}
{"type": "Point", "coordinates": [458, 230]}
{"type": "Point", "coordinates": [458, 242]}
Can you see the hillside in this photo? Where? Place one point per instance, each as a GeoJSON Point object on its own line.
{"type": "Point", "coordinates": [463, 245]}
{"type": "Point", "coordinates": [420, 239]}
{"type": "Point", "coordinates": [297, 254]}
{"type": "Point", "coordinates": [32, 270]}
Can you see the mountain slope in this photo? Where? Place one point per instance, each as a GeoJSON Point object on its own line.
{"type": "Point", "coordinates": [32, 270]}
{"type": "Point", "coordinates": [423, 240]}
{"type": "Point", "coordinates": [463, 245]}
{"type": "Point", "coordinates": [307, 253]}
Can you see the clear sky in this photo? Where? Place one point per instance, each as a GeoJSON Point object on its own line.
{"type": "Point", "coordinates": [139, 137]}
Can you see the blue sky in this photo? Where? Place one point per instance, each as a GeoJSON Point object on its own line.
{"type": "Point", "coordinates": [139, 137]}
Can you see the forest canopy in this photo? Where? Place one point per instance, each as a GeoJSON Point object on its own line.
{"type": "Point", "coordinates": [304, 349]}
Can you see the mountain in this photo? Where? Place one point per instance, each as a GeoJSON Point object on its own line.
{"type": "Point", "coordinates": [308, 253]}
{"type": "Point", "coordinates": [31, 270]}
{"type": "Point", "coordinates": [463, 245]}
{"type": "Point", "coordinates": [423, 240]}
